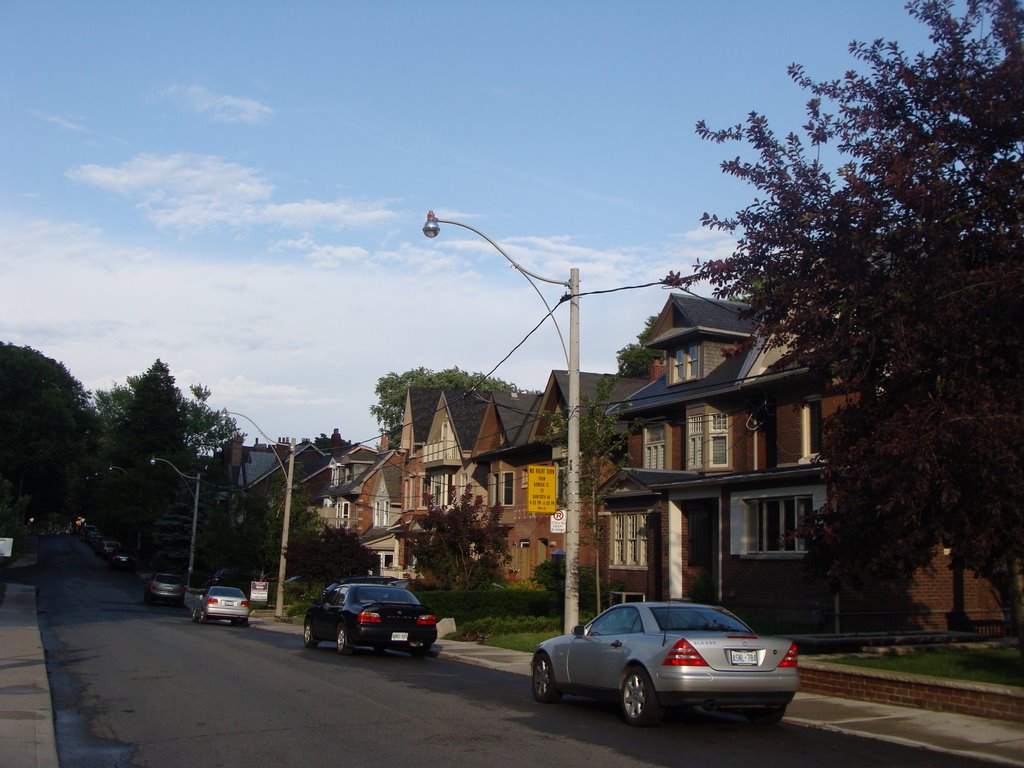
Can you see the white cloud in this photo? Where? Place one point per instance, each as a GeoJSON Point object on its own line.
{"type": "Point", "coordinates": [192, 193]}
{"type": "Point", "coordinates": [221, 108]}
{"type": "Point", "coordinates": [59, 121]}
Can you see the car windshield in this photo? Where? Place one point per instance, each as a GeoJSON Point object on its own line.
{"type": "Point", "coordinates": [691, 618]}
{"type": "Point", "coordinates": [363, 595]}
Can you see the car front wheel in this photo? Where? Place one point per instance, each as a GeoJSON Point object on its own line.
{"type": "Point", "coordinates": [344, 647]}
{"type": "Point", "coordinates": [640, 705]}
{"type": "Point", "coordinates": [307, 635]}
{"type": "Point", "coordinates": [544, 689]}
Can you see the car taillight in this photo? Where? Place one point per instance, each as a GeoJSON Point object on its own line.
{"type": "Point", "coordinates": [683, 655]}
{"type": "Point", "coordinates": [211, 601]}
{"type": "Point", "coordinates": [181, 588]}
{"type": "Point", "coordinates": [790, 659]}
{"type": "Point", "coordinates": [369, 617]}
{"type": "Point", "coordinates": [245, 603]}
{"type": "Point", "coordinates": [427, 620]}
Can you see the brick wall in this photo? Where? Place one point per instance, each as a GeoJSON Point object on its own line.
{"type": "Point", "coordinates": [993, 701]}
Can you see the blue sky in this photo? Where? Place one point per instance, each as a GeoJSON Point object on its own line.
{"type": "Point", "coordinates": [238, 188]}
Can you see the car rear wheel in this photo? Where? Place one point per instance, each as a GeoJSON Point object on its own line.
{"type": "Point", "coordinates": [767, 716]}
{"type": "Point", "coordinates": [419, 651]}
{"type": "Point", "coordinates": [639, 700]}
{"type": "Point", "coordinates": [544, 689]}
{"type": "Point", "coordinates": [307, 636]}
{"type": "Point", "coordinates": [344, 647]}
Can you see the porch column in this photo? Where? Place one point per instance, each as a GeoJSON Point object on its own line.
{"type": "Point", "coordinates": [674, 562]}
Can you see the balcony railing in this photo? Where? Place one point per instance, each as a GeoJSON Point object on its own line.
{"type": "Point", "coordinates": [442, 453]}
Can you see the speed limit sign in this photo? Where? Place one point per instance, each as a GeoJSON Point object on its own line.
{"type": "Point", "coordinates": [558, 521]}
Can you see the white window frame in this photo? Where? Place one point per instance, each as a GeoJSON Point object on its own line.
{"type": "Point", "coordinates": [629, 540]}
{"type": "Point", "coordinates": [743, 519]}
{"type": "Point", "coordinates": [695, 442]}
{"type": "Point", "coordinates": [718, 439]}
{"type": "Point", "coordinates": [807, 418]}
{"type": "Point", "coordinates": [686, 363]}
{"type": "Point", "coordinates": [380, 513]}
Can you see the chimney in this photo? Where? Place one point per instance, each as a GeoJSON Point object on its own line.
{"type": "Point", "coordinates": [657, 369]}
{"type": "Point", "coordinates": [383, 444]}
{"type": "Point", "coordinates": [336, 439]}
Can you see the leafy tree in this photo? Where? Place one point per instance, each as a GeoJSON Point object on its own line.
{"type": "Point", "coordinates": [336, 552]}
{"type": "Point", "coordinates": [897, 280]}
{"type": "Point", "coordinates": [462, 546]}
{"type": "Point", "coordinates": [603, 454]}
{"type": "Point", "coordinates": [148, 417]}
{"type": "Point", "coordinates": [12, 515]}
{"type": "Point", "coordinates": [391, 391]}
{"type": "Point", "coordinates": [49, 429]}
{"type": "Point", "coordinates": [635, 359]}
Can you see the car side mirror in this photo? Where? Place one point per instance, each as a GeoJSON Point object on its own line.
{"type": "Point", "coordinates": [577, 631]}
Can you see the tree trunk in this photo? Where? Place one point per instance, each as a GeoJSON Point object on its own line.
{"type": "Point", "coordinates": [1015, 596]}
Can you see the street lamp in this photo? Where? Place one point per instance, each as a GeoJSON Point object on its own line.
{"type": "Point", "coordinates": [572, 356]}
{"type": "Point", "coordinates": [289, 473]}
{"type": "Point", "coordinates": [195, 513]}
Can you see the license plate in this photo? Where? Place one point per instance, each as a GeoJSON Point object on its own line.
{"type": "Point", "coordinates": [744, 658]}
{"type": "Point", "coordinates": [229, 602]}
{"type": "Point", "coordinates": [400, 637]}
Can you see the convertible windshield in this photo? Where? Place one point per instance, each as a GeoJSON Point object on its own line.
{"type": "Point", "coordinates": [690, 618]}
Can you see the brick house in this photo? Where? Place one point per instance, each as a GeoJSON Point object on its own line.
{"type": "Point", "coordinates": [724, 469]}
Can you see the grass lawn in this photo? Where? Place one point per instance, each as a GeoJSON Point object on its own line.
{"type": "Point", "coordinates": [999, 666]}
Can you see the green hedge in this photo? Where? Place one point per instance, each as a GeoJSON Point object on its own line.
{"type": "Point", "coordinates": [465, 606]}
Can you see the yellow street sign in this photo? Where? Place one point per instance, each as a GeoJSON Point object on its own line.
{"type": "Point", "coordinates": [541, 489]}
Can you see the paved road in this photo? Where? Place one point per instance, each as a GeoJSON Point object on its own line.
{"type": "Point", "coordinates": [142, 685]}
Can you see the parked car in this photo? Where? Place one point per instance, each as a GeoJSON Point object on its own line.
{"type": "Point", "coordinates": [121, 561]}
{"type": "Point", "coordinates": [360, 580]}
{"type": "Point", "coordinates": [164, 587]}
{"type": "Point", "coordinates": [380, 616]}
{"type": "Point", "coordinates": [106, 547]}
{"type": "Point", "coordinates": [222, 603]}
{"type": "Point", "coordinates": [653, 655]}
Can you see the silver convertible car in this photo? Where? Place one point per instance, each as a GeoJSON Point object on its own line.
{"type": "Point", "coordinates": [650, 656]}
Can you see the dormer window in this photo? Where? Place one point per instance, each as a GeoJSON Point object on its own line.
{"type": "Point", "coordinates": [686, 364]}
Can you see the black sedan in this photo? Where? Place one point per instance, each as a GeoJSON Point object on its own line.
{"type": "Point", "coordinates": [374, 615]}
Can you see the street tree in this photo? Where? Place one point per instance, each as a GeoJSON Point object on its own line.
{"type": "Point", "coordinates": [897, 279]}
{"type": "Point", "coordinates": [334, 553]}
{"type": "Point", "coordinates": [391, 390]}
{"type": "Point", "coordinates": [603, 454]}
{"type": "Point", "coordinates": [462, 545]}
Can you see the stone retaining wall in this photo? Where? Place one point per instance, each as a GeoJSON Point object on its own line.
{"type": "Point", "coordinates": [940, 695]}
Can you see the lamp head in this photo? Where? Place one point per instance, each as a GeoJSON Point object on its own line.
{"type": "Point", "coordinates": [431, 228]}
{"type": "Point", "coordinates": [152, 462]}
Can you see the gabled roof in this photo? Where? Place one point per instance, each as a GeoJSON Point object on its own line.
{"type": "Point", "coordinates": [422, 402]}
{"type": "Point", "coordinates": [684, 316]}
{"type": "Point", "coordinates": [354, 486]}
{"type": "Point", "coordinates": [516, 412]}
{"type": "Point", "coordinates": [466, 410]}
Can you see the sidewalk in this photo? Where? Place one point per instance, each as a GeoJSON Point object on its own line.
{"type": "Point", "coordinates": [27, 738]}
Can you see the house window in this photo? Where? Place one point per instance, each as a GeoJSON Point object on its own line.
{"type": "Point", "coordinates": [719, 439]}
{"type": "Point", "coordinates": [777, 519]}
{"type": "Point", "coordinates": [507, 488]}
{"type": "Point", "coordinates": [629, 540]}
{"type": "Point", "coordinates": [812, 427]}
{"type": "Point", "coordinates": [695, 442]}
{"type": "Point", "coordinates": [707, 440]}
{"type": "Point", "coordinates": [341, 510]}
{"type": "Point", "coordinates": [438, 486]}
{"type": "Point", "coordinates": [686, 365]}
{"type": "Point", "coordinates": [654, 447]}
{"type": "Point", "coordinates": [380, 513]}
{"type": "Point", "coordinates": [387, 560]}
